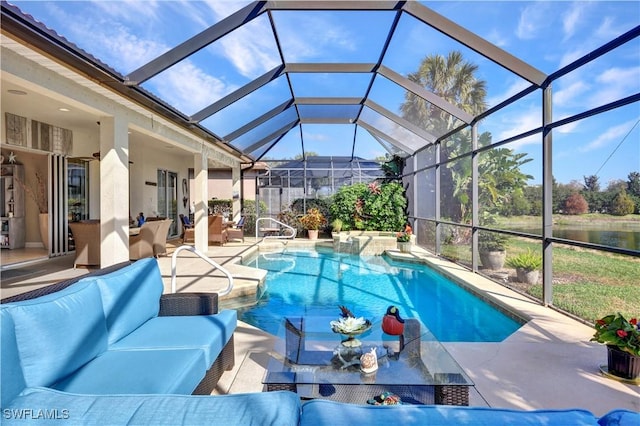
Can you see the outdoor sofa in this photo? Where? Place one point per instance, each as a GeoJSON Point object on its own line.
{"type": "Point", "coordinates": [109, 348]}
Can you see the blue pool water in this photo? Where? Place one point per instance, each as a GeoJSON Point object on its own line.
{"type": "Point", "coordinates": [316, 283]}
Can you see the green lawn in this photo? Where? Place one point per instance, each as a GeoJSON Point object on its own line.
{"type": "Point", "coordinates": [588, 283]}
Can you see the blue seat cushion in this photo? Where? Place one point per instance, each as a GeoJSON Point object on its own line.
{"type": "Point", "coordinates": [207, 332]}
{"type": "Point", "coordinates": [130, 296]}
{"type": "Point", "coordinates": [620, 418]}
{"type": "Point", "coordinates": [138, 372]}
{"type": "Point", "coordinates": [57, 335]}
{"type": "Point", "coordinates": [10, 370]}
{"type": "Point", "coordinates": [264, 409]}
{"type": "Point", "coordinates": [323, 412]}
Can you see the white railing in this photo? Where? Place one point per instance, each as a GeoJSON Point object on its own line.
{"type": "Point", "coordinates": [204, 257]}
{"type": "Point", "coordinates": [273, 229]}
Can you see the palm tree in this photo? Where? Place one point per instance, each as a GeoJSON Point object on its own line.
{"type": "Point", "coordinates": [452, 79]}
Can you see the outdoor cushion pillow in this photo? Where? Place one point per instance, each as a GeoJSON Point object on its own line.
{"type": "Point", "coordinates": [130, 296]}
{"type": "Point", "coordinates": [10, 370]}
{"type": "Point", "coordinates": [322, 412]}
{"type": "Point", "coordinates": [139, 372]}
{"type": "Point", "coordinates": [57, 335]}
{"type": "Point", "coordinates": [620, 418]}
{"type": "Point", "coordinates": [208, 333]}
{"type": "Point", "coordinates": [261, 408]}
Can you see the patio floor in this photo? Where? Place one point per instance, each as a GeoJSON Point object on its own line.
{"type": "Point", "coordinates": [548, 363]}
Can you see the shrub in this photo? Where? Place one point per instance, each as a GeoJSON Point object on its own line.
{"type": "Point", "coordinates": [220, 206]}
{"type": "Point", "coordinates": [575, 204]}
{"type": "Point", "coordinates": [370, 207]}
{"type": "Point", "coordinates": [528, 261]}
{"type": "Point", "coordinates": [622, 204]}
{"type": "Point", "coordinates": [313, 219]}
{"type": "Point", "coordinates": [249, 212]}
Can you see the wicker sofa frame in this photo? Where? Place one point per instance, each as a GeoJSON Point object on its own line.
{"type": "Point", "coordinates": [179, 304]}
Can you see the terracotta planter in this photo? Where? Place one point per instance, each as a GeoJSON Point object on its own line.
{"type": "Point", "coordinates": [404, 247]}
{"type": "Point", "coordinates": [312, 233]}
{"type": "Point", "coordinates": [623, 364]}
{"type": "Point", "coordinates": [493, 260]}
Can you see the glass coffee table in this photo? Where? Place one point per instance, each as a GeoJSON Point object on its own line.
{"type": "Point", "coordinates": [310, 359]}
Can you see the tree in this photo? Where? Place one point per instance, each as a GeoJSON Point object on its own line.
{"type": "Point", "coordinates": [633, 184]}
{"type": "Point", "coordinates": [622, 204]}
{"type": "Point", "coordinates": [575, 204]}
{"type": "Point", "coordinates": [591, 183]}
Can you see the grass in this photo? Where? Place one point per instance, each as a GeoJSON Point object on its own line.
{"type": "Point", "coordinates": [588, 283]}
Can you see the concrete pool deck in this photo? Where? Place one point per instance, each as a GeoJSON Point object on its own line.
{"type": "Point", "coordinates": [548, 363]}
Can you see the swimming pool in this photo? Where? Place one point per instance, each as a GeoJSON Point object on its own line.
{"type": "Point", "coordinates": [315, 283]}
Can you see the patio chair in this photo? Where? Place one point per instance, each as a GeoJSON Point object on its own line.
{"type": "Point", "coordinates": [188, 230]}
{"type": "Point", "coordinates": [141, 245]}
{"type": "Point", "coordinates": [237, 232]}
{"type": "Point", "coordinates": [160, 237]}
{"type": "Point", "coordinates": [217, 232]}
{"type": "Point", "coordinates": [86, 235]}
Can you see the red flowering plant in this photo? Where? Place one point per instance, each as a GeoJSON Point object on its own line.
{"type": "Point", "coordinates": [615, 330]}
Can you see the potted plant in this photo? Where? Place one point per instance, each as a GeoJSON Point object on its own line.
{"type": "Point", "coordinates": [312, 221]}
{"type": "Point", "coordinates": [404, 241]}
{"type": "Point", "coordinates": [527, 266]}
{"type": "Point", "coordinates": [622, 338]}
{"type": "Point", "coordinates": [492, 249]}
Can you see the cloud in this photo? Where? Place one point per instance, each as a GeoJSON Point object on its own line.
{"type": "Point", "coordinates": [516, 87]}
{"type": "Point", "coordinates": [612, 135]}
{"type": "Point", "coordinates": [572, 19]}
{"type": "Point", "coordinates": [566, 95]}
{"type": "Point", "coordinates": [497, 38]}
{"type": "Point", "coordinates": [613, 84]}
{"type": "Point", "coordinates": [188, 88]}
{"type": "Point", "coordinates": [533, 19]}
{"type": "Point", "coordinates": [128, 10]}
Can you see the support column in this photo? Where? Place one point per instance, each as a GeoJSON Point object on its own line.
{"type": "Point", "coordinates": [114, 190]}
{"type": "Point", "coordinates": [475, 219]}
{"type": "Point", "coordinates": [547, 199]}
{"type": "Point", "coordinates": [200, 197]}
{"type": "Point", "coordinates": [236, 205]}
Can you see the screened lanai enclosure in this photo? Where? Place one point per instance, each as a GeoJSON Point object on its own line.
{"type": "Point", "coordinates": [501, 144]}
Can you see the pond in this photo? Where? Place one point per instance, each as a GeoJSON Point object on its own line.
{"type": "Point", "coordinates": [625, 235]}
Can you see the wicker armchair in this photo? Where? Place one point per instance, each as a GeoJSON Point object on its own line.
{"type": "Point", "coordinates": [237, 232]}
{"type": "Point", "coordinates": [217, 232]}
{"type": "Point", "coordinates": [86, 235]}
{"type": "Point", "coordinates": [141, 245]}
{"type": "Point", "coordinates": [160, 237]}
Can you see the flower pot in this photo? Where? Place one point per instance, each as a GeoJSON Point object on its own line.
{"type": "Point", "coordinates": [527, 277]}
{"type": "Point", "coordinates": [623, 364]}
{"type": "Point", "coordinates": [404, 247]}
{"type": "Point", "coordinates": [493, 260]}
{"type": "Point", "coordinates": [312, 233]}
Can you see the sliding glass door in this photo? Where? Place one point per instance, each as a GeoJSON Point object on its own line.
{"type": "Point", "coordinates": [168, 198]}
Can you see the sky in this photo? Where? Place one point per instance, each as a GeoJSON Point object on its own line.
{"type": "Point", "coordinates": [546, 34]}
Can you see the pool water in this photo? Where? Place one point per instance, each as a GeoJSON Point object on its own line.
{"type": "Point", "coordinates": [302, 283]}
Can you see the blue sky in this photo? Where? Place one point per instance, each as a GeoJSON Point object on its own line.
{"type": "Point", "coordinates": [546, 34]}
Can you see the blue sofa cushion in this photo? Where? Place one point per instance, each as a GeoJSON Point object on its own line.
{"type": "Point", "coordinates": [130, 296]}
{"type": "Point", "coordinates": [322, 412]}
{"type": "Point", "coordinates": [138, 372]}
{"type": "Point", "coordinates": [620, 418]}
{"type": "Point", "coordinates": [264, 409]}
{"type": "Point", "coordinates": [10, 370]}
{"type": "Point", "coordinates": [57, 335]}
{"type": "Point", "coordinates": [208, 332]}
